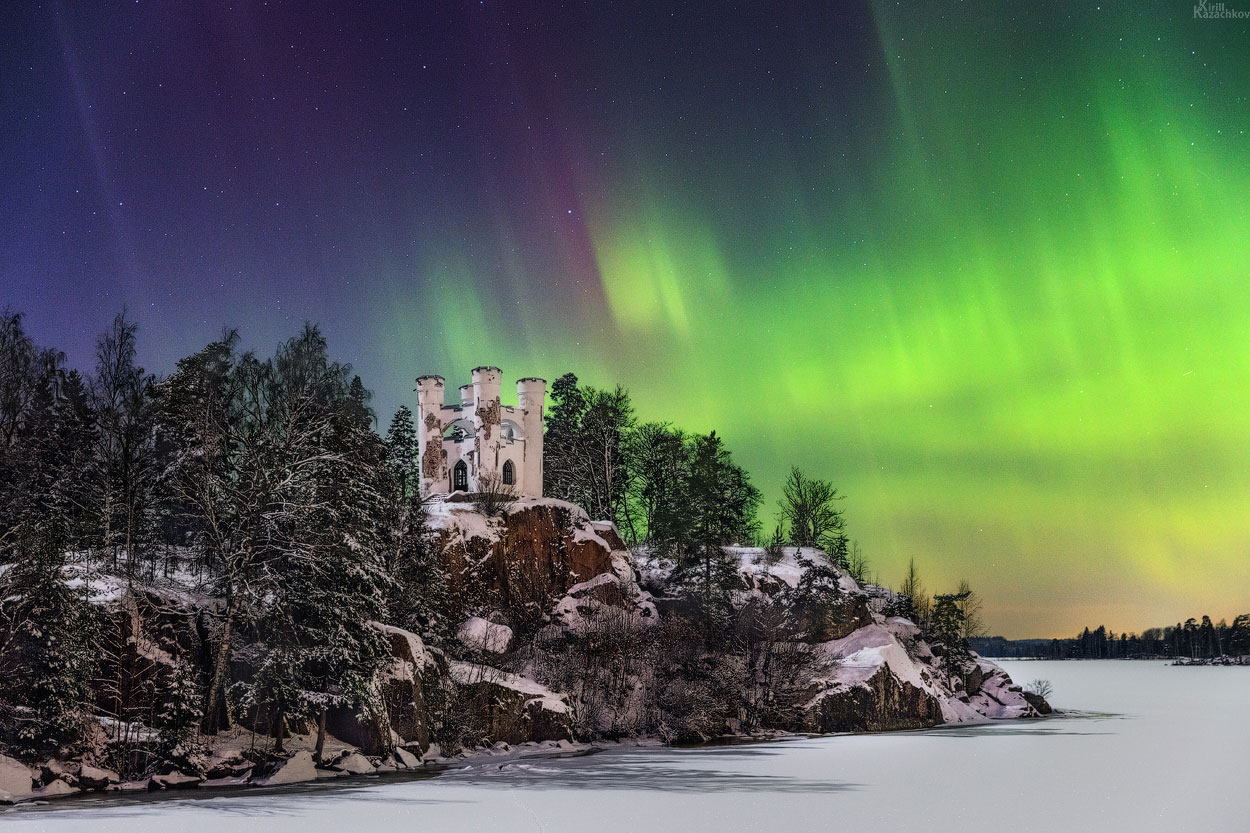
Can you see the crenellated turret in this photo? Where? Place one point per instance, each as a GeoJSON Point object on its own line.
{"type": "Point", "coordinates": [489, 441]}
{"type": "Point", "coordinates": [432, 455]}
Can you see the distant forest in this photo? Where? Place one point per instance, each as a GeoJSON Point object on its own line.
{"type": "Point", "coordinates": [1194, 639]}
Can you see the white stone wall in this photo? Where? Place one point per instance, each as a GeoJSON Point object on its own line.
{"type": "Point", "coordinates": [496, 433]}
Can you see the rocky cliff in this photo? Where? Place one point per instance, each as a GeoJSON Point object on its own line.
{"type": "Point", "coordinates": [561, 640]}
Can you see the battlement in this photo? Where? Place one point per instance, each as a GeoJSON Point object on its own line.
{"type": "Point", "coordinates": [479, 441]}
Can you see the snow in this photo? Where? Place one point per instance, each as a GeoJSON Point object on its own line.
{"type": "Point", "coordinates": [585, 586]}
{"type": "Point", "coordinates": [752, 562]}
{"type": "Point", "coordinates": [584, 532]}
{"type": "Point", "coordinates": [174, 781]}
{"type": "Point", "coordinates": [479, 634]}
{"type": "Point", "coordinates": [55, 789]}
{"type": "Point", "coordinates": [467, 673]}
{"type": "Point", "coordinates": [865, 651]}
{"type": "Point", "coordinates": [14, 777]}
{"type": "Point", "coordinates": [461, 521]}
{"type": "Point", "coordinates": [1159, 750]}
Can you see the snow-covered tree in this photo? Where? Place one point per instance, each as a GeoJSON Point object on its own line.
{"type": "Point", "coordinates": [401, 453]}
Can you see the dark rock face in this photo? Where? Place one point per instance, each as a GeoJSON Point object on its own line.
{"type": "Point", "coordinates": [973, 680]}
{"type": "Point", "coordinates": [540, 549]}
{"type": "Point", "coordinates": [1038, 702]}
{"type": "Point", "coordinates": [884, 703]}
{"type": "Point", "coordinates": [506, 714]}
{"type": "Point", "coordinates": [404, 691]}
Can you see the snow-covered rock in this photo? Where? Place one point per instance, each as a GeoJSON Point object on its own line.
{"type": "Point", "coordinates": [478, 634]}
{"type": "Point", "coordinates": [298, 767]}
{"type": "Point", "coordinates": [96, 778]}
{"type": "Point", "coordinates": [513, 708]}
{"type": "Point", "coordinates": [413, 669]}
{"type": "Point", "coordinates": [884, 676]}
{"type": "Point", "coordinates": [355, 764]}
{"type": "Point", "coordinates": [174, 781]}
{"type": "Point", "coordinates": [406, 758]}
{"type": "Point", "coordinates": [15, 779]}
{"type": "Point", "coordinates": [55, 789]}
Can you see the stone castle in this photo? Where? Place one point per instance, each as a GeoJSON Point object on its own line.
{"type": "Point", "coordinates": [480, 441]}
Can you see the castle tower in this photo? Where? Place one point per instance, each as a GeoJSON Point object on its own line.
{"type": "Point", "coordinates": [487, 441]}
{"type": "Point", "coordinates": [432, 457]}
{"type": "Point", "coordinates": [531, 394]}
{"type": "Point", "coordinates": [488, 418]}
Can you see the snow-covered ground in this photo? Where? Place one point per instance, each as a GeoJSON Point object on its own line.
{"type": "Point", "coordinates": [1160, 749]}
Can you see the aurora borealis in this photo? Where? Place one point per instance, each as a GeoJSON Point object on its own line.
{"type": "Point", "coordinates": [984, 265]}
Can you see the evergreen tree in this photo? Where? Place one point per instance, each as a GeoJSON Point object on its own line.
{"type": "Point", "coordinates": [946, 630]}
{"type": "Point", "coordinates": [659, 456]}
{"type": "Point", "coordinates": [561, 442]}
{"type": "Point", "coordinates": [321, 649]}
{"type": "Point", "coordinates": [401, 453]}
{"type": "Point", "coordinates": [721, 504]}
{"type": "Point", "coordinates": [815, 602]}
{"type": "Point", "coordinates": [47, 654]}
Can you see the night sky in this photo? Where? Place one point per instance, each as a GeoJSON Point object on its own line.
{"type": "Point", "coordinates": [984, 265]}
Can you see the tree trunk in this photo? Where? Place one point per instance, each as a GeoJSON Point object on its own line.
{"type": "Point", "coordinates": [281, 730]}
{"type": "Point", "coordinates": [219, 667]}
{"type": "Point", "coordinates": [321, 735]}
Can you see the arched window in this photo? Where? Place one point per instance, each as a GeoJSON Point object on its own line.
{"type": "Point", "coordinates": [509, 473]}
{"type": "Point", "coordinates": [460, 477]}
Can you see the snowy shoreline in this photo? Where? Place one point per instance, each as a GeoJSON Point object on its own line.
{"type": "Point", "coordinates": [481, 759]}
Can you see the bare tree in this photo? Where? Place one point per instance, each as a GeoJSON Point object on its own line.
{"type": "Point", "coordinates": [809, 507]}
{"type": "Point", "coordinates": [493, 497]}
{"type": "Point", "coordinates": [914, 590]}
{"type": "Point", "coordinates": [971, 606]}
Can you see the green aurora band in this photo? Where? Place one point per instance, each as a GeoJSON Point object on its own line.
{"type": "Point", "coordinates": [1011, 321]}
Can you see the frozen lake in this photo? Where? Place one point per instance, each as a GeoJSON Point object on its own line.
{"type": "Point", "coordinates": [1158, 749]}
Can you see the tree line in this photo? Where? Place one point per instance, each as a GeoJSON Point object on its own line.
{"type": "Point", "coordinates": [1194, 638]}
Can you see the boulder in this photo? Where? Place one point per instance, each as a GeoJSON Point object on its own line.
{"type": "Point", "coordinates": [415, 669]}
{"type": "Point", "coordinates": [1037, 701]}
{"type": "Point", "coordinates": [55, 789]}
{"type": "Point", "coordinates": [96, 778]}
{"type": "Point", "coordinates": [511, 708]}
{"type": "Point", "coordinates": [406, 758]}
{"type": "Point", "coordinates": [478, 634]}
{"type": "Point", "coordinates": [973, 679]}
{"type": "Point", "coordinates": [229, 763]}
{"type": "Point", "coordinates": [15, 779]}
{"type": "Point", "coordinates": [174, 781]}
{"type": "Point", "coordinates": [299, 767]}
{"type": "Point", "coordinates": [355, 764]}
{"type": "Point", "coordinates": [880, 703]}
{"type": "Point", "coordinates": [54, 770]}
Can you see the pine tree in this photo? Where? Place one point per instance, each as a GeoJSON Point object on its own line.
{"type": "Point", "coordinates": [659, 456]}
{"type": "Point", "coordinates": [401, 453]}
{"type": "Point", "coordinates": [816, 600]}
{"type": "Point", "coordinates": [48, 656]}
{"type": "Point", "coordinates": [946, 629]}
{"type": "Point", "coordinates": [721, 503]}
{"type": "Point", "coordinates": [321, 649]}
